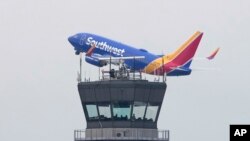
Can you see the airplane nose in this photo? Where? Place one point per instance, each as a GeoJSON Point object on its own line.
{"type": "Point", "coordinates": [71, 40]}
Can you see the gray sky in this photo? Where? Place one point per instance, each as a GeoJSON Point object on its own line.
{"type": "Point", "coordinates": [38, 89]}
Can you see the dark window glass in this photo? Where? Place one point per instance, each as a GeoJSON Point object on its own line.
{"type": "Point", "coordinates": [104, 111]}
{"type": "Point", "coordinates": [121, 110]}
{"type": "Point", "coordinates": [138, 111]}
{"type": "Point", "coordinates": [92, 111]}
{"type": "Point", "coordinates": [151, 113]}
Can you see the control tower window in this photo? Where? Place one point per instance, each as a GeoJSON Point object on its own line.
{"type": "Point", "coordinates": [104, 111]}
{"type": "Point", "coordinates": [138, 111]}
{"type": "Point", "coordinates": [151, 112]}
{"type": "Point", "coordinates": [121, 110]}
{"type": "Point", "coordinates": [92, 111]}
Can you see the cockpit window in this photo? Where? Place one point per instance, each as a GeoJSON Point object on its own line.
{"type": "Point", "coordinates": [82, 39]}
{"type": "Point", "coordinates": [75, 36]}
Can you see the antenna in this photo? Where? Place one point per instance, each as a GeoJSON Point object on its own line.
{"type": "Point", "coordinates": [99, 68]}
{"type": "Point", "coordinates": [80, 75]}
{"type": "Point", "coordinates": [134, 69]}
{"type": "Point", "coordinates": [110, 66]}
{"type": "Point", "coordinates": [163, 78]}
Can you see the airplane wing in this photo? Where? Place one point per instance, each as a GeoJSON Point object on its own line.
{"type": "Point", "coordinates": [117, 60]}
{"type": "Point", "coordinates": [102, 60]}
{"type": "Point", "coordinates": [97, 56]}
{"type": "Point", "coordinates": [120, 58]}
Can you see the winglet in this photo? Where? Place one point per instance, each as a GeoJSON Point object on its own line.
{"type": "Point", "coordinates": [210, 57]}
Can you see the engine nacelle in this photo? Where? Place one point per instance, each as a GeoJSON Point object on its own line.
{"type": "Point", "coordinates": [95, 61]}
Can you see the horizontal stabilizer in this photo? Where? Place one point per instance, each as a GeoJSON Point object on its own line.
{"type": "Point", "coordinates": [212, 55]}
{"type": "Point", "coordinates": [181, 69]}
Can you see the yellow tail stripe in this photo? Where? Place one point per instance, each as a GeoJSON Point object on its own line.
{"type": "Point", "coordinates": [157, 63]}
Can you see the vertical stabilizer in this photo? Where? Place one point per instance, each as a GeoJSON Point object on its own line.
{"type": "Point", "coordinates": [184, 54]}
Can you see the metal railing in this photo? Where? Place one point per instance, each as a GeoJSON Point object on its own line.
{"type": "Point", "coordinates": [121, 74]}
{"type": "Point", "coordinates": [116, 134]}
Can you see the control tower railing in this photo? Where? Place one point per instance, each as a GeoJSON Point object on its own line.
{"type": "Point", "coordinates": [121, 74]}
{"type": "Point", "coordinates": [116, 134]}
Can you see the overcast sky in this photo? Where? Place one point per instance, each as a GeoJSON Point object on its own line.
{"type": "Point", "coordinates": [39, 100]}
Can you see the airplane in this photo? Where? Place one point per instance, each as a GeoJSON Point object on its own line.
{"type": "Point", "coordinates": [99, 50]}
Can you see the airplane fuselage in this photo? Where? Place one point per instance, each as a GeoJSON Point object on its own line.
{"type": "Point", "coordinates": [174, 64]}
{"type": "Point", "coordinates": [106, 47]}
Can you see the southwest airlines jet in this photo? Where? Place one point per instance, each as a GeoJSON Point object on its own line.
{"type": "Point", "coordinates": [99, 51]}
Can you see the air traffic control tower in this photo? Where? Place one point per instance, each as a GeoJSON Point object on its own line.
{"type": "Point", "coordinates": [121, 106]}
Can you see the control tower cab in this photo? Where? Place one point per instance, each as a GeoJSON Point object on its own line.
{"type": "Point", "coordinates": [121, 106]}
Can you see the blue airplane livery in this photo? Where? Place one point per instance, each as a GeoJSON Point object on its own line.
{"type": "Point", "coordinates": [99, 50]}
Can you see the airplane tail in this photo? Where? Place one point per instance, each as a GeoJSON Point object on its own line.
{"type": "Point", "coordinates": [184, 54]}
{"type": "Point", "coordinates": [182, 57]}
